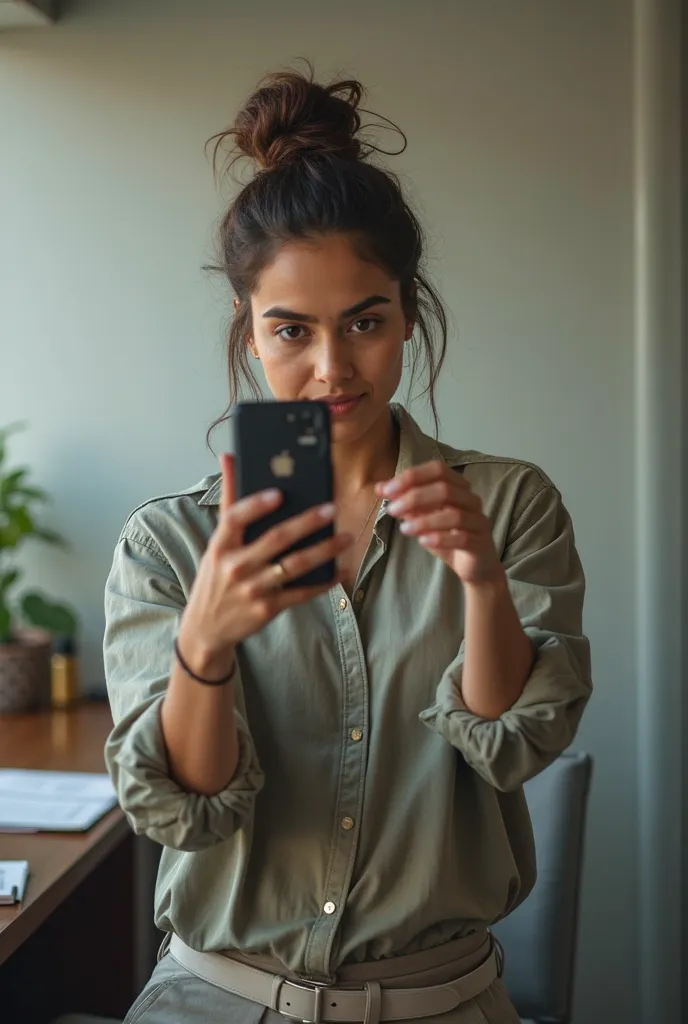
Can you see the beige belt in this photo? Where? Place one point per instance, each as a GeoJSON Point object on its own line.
{"type": "Point", "coordinates": [314, 1004]}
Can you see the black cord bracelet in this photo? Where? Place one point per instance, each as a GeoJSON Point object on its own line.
{"type": "Point", "coordinates": [199, 679]}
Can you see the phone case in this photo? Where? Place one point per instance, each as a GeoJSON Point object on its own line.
{"type": "Point", "coordinates": [286, 445]}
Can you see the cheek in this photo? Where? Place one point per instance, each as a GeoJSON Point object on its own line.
{"type": "Point", "coordinates": [285, 370]}
{"type": "Point", "coordinates": [383, 361]}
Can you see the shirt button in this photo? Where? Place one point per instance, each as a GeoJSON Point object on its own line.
{"type": "Point", "coordinates": [360, 594]}
{"type": "Point", "coordinates": [329, 908]}
{"type": "Point", "coordinates": [347, 823]}
{"type": "Point", "coordinates": [343, 604]}
{"type": "Point", "coordinates": [356, 735]}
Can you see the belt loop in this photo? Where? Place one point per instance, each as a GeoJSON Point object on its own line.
{"type": "Point", "coordinates": [499, 954]}
{"type": "Point", "coordinates": [317, 1006]}
{"type": "Point", "coordinates": [373, 1003]}
{"type": "Point", "coordinates": [277, 983]}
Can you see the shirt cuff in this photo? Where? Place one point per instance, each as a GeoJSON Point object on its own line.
{"type": "Point", "coordinates": [531, 734]}
{"type": "Point", "coordinates": [156, 806]}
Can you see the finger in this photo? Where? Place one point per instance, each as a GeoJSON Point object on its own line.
{"type": "Point", "coordinates": [284, 535]}
{"type": "Point", "coordinates": [239, 515]}
{"type": "Point", "coordinates": [300, 595]}
{"type": "Point", "coordinates": [228, 493]}
{"type": "Point", "coordinates": [297, 564]}
{"type": "Point", "coordinates": [416, 475]}
{"type": "Point", "coordinates": [434, 495]}
{"type": "Point", "coordinates": [448, 518]}
{"type": "Point", "coordinates": [454, 540]}
{"type": "Point", "coordinates": [269, 605]}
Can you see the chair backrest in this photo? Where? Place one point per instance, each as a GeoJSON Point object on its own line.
{"type": "Point", "coordinates": [539, 937]}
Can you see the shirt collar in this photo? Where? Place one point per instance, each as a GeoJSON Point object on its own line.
{"type": "Point", "coordinates": [213, 494]}
{"type": "Point", "coordinates": [415, 447]}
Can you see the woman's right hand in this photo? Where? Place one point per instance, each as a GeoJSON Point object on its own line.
{"type": "Point", "coordinates": [237, 591]}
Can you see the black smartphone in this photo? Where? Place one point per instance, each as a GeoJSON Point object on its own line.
{"type": "Point", "coordinates": [286, 445]}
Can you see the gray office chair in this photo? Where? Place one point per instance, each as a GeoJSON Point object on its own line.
{"type": "Point", "coordinates": [539, 938]}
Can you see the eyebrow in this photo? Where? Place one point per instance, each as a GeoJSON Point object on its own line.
{"type": "Point", "coordinates": [280, 313]}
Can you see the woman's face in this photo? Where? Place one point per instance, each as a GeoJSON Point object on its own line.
{"type": "Point", "coordinates": [328, 325]}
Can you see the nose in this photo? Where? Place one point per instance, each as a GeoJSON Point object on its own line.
{"type": "Point", "coordinates": [333, 360]}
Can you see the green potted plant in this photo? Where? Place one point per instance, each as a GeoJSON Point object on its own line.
{"type": "Point", "coordinates": [27, 624]}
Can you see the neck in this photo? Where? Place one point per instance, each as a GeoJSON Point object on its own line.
{"type": "Point", "coordinates": [372, 457]}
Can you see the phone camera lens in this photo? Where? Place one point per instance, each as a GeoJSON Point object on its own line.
{"type": "Point", "coordinates": [307, 415]}
{"type": "Point", "coordinates": [291, 417]}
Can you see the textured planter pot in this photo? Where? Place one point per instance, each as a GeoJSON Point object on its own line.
{"type": "Point", "coordinates": [25, 672]}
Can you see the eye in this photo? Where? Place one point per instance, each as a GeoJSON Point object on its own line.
{"type": "Point", "coordinates": [365, 325]}
{"type": "Point", "coordinates": [291, 332]}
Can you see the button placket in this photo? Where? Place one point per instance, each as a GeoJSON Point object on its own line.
{"type": "Point", "coordinates": [350, 790]}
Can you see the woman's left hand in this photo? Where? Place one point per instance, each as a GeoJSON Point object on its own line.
{"type": "Point", "coordinates": [437, 506]}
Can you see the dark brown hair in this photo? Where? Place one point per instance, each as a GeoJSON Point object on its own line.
{"type": "Point", "coordinates": [314, 179]}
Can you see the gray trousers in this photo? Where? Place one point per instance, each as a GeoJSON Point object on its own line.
{"type": "Point", "coordinates": [173, 995]}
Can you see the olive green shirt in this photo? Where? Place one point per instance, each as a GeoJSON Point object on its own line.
{"type": "Point", "coordinates": [371, 814]}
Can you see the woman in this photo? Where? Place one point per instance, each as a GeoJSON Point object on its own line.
{"type": "Point", "coordinates": [336, 776]}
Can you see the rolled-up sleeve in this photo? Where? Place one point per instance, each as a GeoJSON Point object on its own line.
{"type": "Point", "coordinates": [547, 586]}
{"type": "Point", "coordinates": [143, 604]}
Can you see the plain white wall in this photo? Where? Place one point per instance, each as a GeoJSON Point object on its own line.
{"type": "Point", "coordinates": [520, 161]}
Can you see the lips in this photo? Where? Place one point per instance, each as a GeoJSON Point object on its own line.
{"type": "Point", "coordinates": [340, 405]}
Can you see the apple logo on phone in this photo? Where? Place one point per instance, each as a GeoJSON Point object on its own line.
{"type": "Point", "coordinates": [282, 465]}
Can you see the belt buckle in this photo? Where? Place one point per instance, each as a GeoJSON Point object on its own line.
{"type": "Point", "coordinates": [317, 990]}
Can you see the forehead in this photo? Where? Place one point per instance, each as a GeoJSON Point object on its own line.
{"type": "Point", "coordinates": [321, 273]}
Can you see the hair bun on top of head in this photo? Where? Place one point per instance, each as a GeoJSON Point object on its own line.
{"type": "Point", "coordinates": [291, 116]}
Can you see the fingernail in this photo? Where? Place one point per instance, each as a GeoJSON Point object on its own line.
{"type": "Point", "coordinates": [270, 496]}
{"type": "Point", "coordinates": [395, 507]}
{"type": "Point", "coordinates": [406, 527]}
{"type": "Point", "coordinates": [426, 541]}
{"type": "Point", "coordinates": [326, 511]}
{"type": "Point", "coordinates": [390, 487]}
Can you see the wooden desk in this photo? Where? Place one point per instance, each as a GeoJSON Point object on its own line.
{"type": "Point", "coordinates": [71, 946]}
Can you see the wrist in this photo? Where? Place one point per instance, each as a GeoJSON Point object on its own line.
{"type": "Point", "coordinates": [204, 661]}
{"type": "Point", "coordinates": [492, 584]}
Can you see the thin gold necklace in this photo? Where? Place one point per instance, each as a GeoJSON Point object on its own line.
{"type": "Point", "coordinates": [372, 509]}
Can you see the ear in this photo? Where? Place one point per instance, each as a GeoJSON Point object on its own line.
{"type": "Point", "coordinates": [249, 341]}
{"type": "Point", "coordinates": [410, 325]}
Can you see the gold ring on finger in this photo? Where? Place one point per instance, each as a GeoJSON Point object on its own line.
{"type": "Point", "coordinates": [279, 574]}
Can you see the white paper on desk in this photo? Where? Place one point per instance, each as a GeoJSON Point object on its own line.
{"type": "Point", "coordinates": [13, 877]}
{"type": "Point", "coordinates": [53, 801]}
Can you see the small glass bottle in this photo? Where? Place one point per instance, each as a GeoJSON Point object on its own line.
{"type": "Point", "coordinates": [64, 673]}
